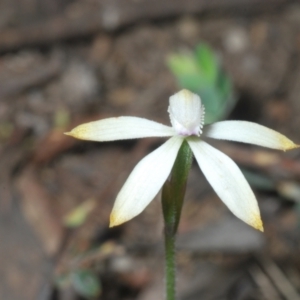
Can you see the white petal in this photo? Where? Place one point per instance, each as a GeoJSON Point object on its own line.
{"type": "Point", "coordinates": [186, 113]}
{"type": "Point", "coordinates": [145, 181]}
{"type": "Point", "coordinates": [120, 128]}
{"type": "Point", "coordinates": [228, 182]}
{"type": "Point", "coordinates": [248, 132]}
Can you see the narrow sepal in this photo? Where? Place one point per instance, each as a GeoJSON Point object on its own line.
{"type": "Point", "coordinates": [145, 181]}
{"type": "Point", "coordinates": [248, 132]}
{"type": "Point", "coordinates": [120, 128]}
{"type": "Point", "coordinates": [228, 182]}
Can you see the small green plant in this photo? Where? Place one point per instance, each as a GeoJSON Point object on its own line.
{"type": "Point", "coordinates": [201, 73]}
{"type": "Point", "coordinates": [84, 281]}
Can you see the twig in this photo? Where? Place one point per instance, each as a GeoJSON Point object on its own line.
{"type": "Point", "coordinates": [279, 279]}
{"type": "Point", "coordinates": [267, 289]}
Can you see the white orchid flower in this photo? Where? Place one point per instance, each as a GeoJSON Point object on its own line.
{"type": "Point", "coordinates": [187, 118]}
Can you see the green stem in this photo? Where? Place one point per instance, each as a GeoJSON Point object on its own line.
{"type": "Point", "coordinates": [170, 267]}
{"type": "Point", "coordinates": [172, 200]}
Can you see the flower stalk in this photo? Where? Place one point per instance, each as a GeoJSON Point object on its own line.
{"type": "Point", "coordinates": [172, 200]}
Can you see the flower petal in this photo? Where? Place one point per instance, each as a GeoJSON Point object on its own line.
{"type": "Point", "coordinates": [248, 132]}
{"type": "Point", "coordinates": [186, 113]}
{"type": "Point", "coordinates": [145, 181]}
{"type": "Point", "coordinates": [228, 182]}
{"type": "Point", "coordinates": [120, 128]}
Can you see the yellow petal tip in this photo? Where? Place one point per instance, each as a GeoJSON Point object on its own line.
{"type": "Point", "coordinates": [115, 220]}
{"type": "Point", "coordinates": [79, 132]}
{"type": "Point", "coordinates": [257, 224]}
{"type": "Point", "coordinates": [111, 225]}
{"type": "Point", "coordinates": [68, 133]}
{"type": "Point", "coordinates": [261, 228]}
{"type": "Point", "coordinates": [289, 145]}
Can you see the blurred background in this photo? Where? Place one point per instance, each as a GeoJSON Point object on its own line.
{"type": "Point", "coordinates": [66, 62]}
